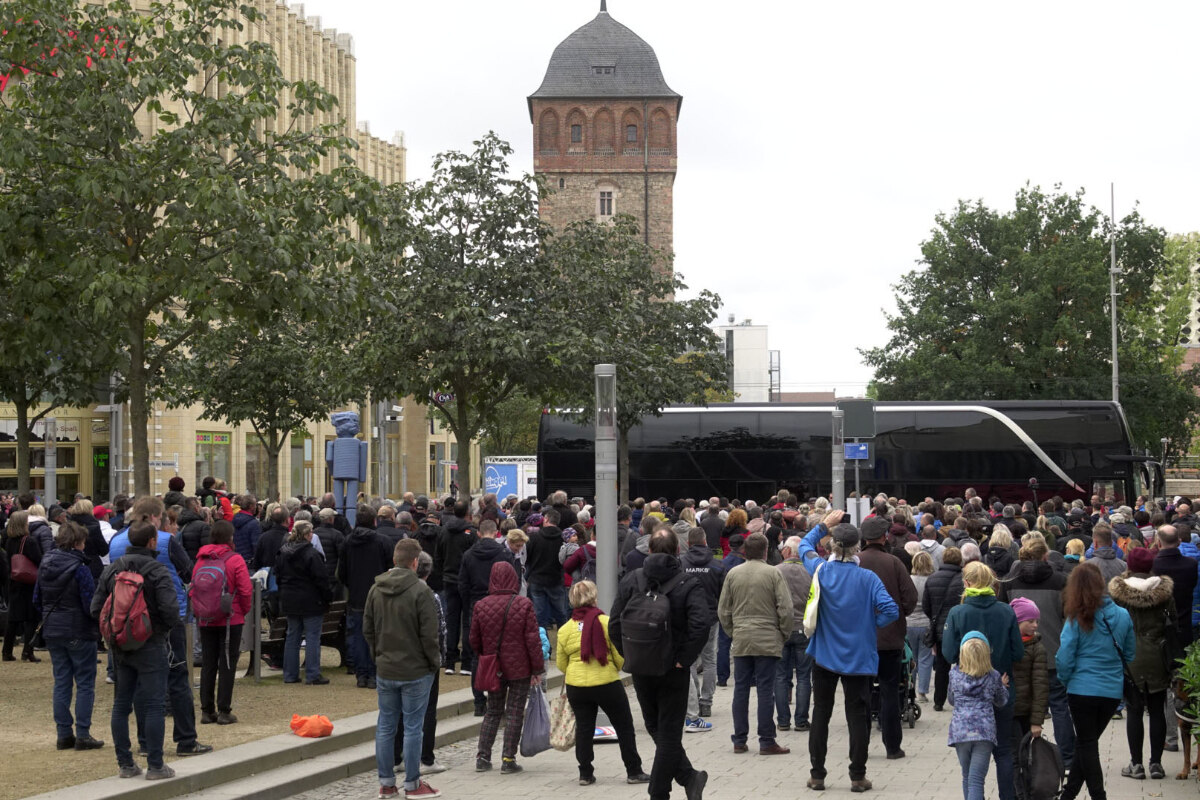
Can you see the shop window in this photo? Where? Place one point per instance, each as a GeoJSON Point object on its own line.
{"type": "Point", "coordinates": [213, 451]}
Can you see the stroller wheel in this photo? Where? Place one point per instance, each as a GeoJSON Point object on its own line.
{"type": "Point", "coordinates": [916, 712]}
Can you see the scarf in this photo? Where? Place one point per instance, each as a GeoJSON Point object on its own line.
{"type": "Point", "coordinates": [981, 591]}
{"type": "Point", "coordinates": [593, 646]}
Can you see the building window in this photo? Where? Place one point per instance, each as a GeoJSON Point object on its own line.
{"type": "Point", "coordinates": [562, 183]}
{"type": "Point", "coordinates": [576, 134]}
{"type": "Point", "coordinates": [257, 461]}
{"type": "Point", "coordinates": [603, 70]}
{"type": "Point", "coordinates": [606, 204]}
{"type": "Point", "coordinates": [212, 456]}
{"type": "Point", "coordinates": [631, 133]}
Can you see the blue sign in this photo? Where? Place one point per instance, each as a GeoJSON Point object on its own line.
{"type": "Point", "coordinates": [501, 479]}
{"type": "Point", "coordinates": [857, 451]}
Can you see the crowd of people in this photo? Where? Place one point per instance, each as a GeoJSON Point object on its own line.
{"type": "Point", "coordinates": [1011, 614]}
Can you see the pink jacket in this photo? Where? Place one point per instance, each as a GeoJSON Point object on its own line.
{"type": "Point", "coordinates": [239, 580]}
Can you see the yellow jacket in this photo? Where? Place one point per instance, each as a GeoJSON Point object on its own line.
{"type": "Point", "coordinates": [585, 673]}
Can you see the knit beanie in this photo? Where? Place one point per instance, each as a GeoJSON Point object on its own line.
{"type": "Point", "coordinates": [1139, 560]}
{"type": "Point", "coordinates": [1025, 609]}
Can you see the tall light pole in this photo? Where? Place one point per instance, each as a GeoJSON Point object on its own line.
{"type": "Point", "coordinates": [606, 484]}
{"type": "Point", "coordinates": [1112, 285]}
{"type": "Point", "coordinates": [839, 461]}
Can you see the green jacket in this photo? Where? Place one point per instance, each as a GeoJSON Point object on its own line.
{"type": "Point", "coordinates": [1150, 601]}
{"type": "Point", "coordinates": [756, 609]}
{"type": "Point", "coordinates": [400, 624]}
{"type": "Point", "coordinates": [1031, 682]}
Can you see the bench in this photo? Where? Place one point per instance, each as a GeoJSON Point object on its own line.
{"type": "Point", "coordinates": [276, 630]}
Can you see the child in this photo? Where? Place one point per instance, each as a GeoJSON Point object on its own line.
{"type": "Point", "coordinates": [977, 690]}
{"type": "Point", "coordinates": [1031, 684]}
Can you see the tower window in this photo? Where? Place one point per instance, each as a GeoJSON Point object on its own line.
{"type": "Point", "coordinates": [562, 183]}
{"type": "Point", "coordinates": [603, 70]}
{"type": "Point", "coordinates": [606, 204]}
{"type": "Point", "coordinates": [576, 134]}
{"type": "Point", "coordinates": [631, 133]}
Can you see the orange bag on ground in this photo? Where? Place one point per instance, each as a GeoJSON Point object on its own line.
{"type": "Point", "coordinates": [313, 727]}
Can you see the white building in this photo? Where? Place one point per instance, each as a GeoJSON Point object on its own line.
{"type": "Point", "coordinates": [753, 368]}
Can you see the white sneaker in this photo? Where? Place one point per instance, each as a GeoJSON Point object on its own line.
{"type": "Point", "coordinates": [464, 671]}
{"type": "Point", "coordinates": [434, 768]}
{"type": "Point", "coordinates": [697, 725]}
{"type": "Point", "coordinates": [449, 670]}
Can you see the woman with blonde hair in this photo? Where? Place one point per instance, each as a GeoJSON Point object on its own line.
{"type": "Point", "coordinates": [591, 665]}
{"type": "Point", "coordinates": [96, 547]}
{"type": "Point", "coordinates": [1073, 556]}
{"type": "Point", "coordinates": [981, 611]}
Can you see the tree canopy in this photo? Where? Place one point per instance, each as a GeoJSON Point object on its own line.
{"type": "Point", "coordinates": [1015, 306]}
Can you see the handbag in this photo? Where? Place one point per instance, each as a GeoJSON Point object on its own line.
{"type": "Point", "coordinates": [814, 602]}
{"type": "Point", "coordinates": [535, 735]}
{"type": "Point", "coordinates": [562, 722]}
{"type": "Point", "coordinates": [1129, 687]}
{"type": "Point", "coordinates": [488, 675]}
{"type": "Point", "coordinates": [23, 568]}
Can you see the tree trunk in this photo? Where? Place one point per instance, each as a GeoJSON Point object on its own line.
{"type": "Point", "coordinates": [274, 445]}
{"type": "Point", "coordinates": [462, 435]}
{"type": "Point", "coordinates": [23, 437]}
{"type": "Point", "coordinates": [623, 465]}
{"type": "Point", "coordinates": [139, 410]}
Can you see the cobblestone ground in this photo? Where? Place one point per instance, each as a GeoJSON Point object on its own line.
{"type": "Point", "coordinates": [930, 770]}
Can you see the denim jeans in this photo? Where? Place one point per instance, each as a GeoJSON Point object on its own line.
{"type": "Point", "coordinates": [923, 654]}
{"type": "Point", "coordinates": [757, 671]}
{"type": "Point", "coordinates": [703, 676]}
{"type": "Point", "coordinates": [1060, 713]}
{"type": "Point", "coordinates": [724, 642]}
{"type": "Point", "coordinates": [549, 604]}
{"type": "Point", "coordinates": [973, 757]}
{"type": "Point", "coordinates": [359, 655]}
{"type": "Point", "coordinates": [179, 692]}
{"type": "Point", "coordinates": [74, 664]}
{"type": "Point", "coordinates": [1003, 752]}
{"type": "Point", "coordinates": [395, 698]}
{"type": "Point", "coordinates": [146, 691]}
{"type": "Point", "coordinates": [310, 629]}
{"type": "Point", "coordinates": [795, 662]}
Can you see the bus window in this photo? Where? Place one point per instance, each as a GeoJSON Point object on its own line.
{"type": "Point", "coordinates": [1111, 493]}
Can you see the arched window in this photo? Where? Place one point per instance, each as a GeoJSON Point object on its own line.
{"type": "Point", "coordinates": [631, 123]}
{"type": "Point", "coordinates": [631, 134]}
{"type": "Point", "coordinates": [548, 132]}
{"type": "Point", "coordinates": [576, 123]}
{"type": "Point", "coordinates": [604, 132]}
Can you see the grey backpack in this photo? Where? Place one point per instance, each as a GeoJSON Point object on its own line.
{"type": "Point", "coordinates": [1039, 768]}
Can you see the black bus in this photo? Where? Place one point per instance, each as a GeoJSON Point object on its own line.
{"type": "Point", "coordinates": [921, 449]}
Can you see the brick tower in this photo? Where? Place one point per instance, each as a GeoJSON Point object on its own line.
{"type": "Point", "coordinates": [604, 124]}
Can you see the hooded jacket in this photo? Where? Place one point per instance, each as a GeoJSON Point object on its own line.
{"type": "Point", "coordinates": [237, 578]}
{"type": "Point", "coordinates": [457, 536]}
{"type": "Point", "coordinates": [698, 560]}
{"type": "Point", "coordinates": [1044, 585]}
{"type": "Point", "coordinates": [1088, 662]}
{"type": "Point", "coordinates": [475, 573]}
{"type": "Point", "coordinates": [1148, 599]}
{"type": "Point", "coordinates": [995, 620]}
{"type": "Point", "coordinates": [332, 541]}
{"type": "Point", "coordinates": [400, 624]}
{"type": "Point", "coordinates": [64, 595]}
{"type": "Point", "coordinates": [364, 555]}
{"type": "Point", "coordinates": [1105, 559]}
{"type": "Point", "coordinates": [691, 616]}
{"type": "Point", "coordinates": [304, 589]}
{"type": "Point", "coordinates": [1000, 559]}
{"type": "Point", "coordinates": [41, 532]}
{"type": "Point", "coordinates": [934, 549]}
{"type": "Point", "coordinates": [194, 533]}
{"type": "Point", "coordinates": [161, 602]}
{"type": "Point", "coordinates": [636, 558]}
{"type": "Point", "coordinates": [1031, 682]}
{"type": "Point", "coordinates": [246, 531]}
{"type": "Point", "coordinates": [942, 590]}
{"type": "Point", "coordinates": [899, 585]}
{"type": "Point", "coordinates": [520, 650]}
{"type": "Point", "coordinates": [853, 604]}
{"type": "Point", "coordinates": [799, 583]}
{"type": "Point", "coordinates": [755, 609]}
{"type": "Point", "coordinates": [542, 567]}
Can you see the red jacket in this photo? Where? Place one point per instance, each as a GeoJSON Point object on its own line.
{"type": "Point", "coordinates": [521, 650]}
{"type": "Point", "coordinates": [238, 578]}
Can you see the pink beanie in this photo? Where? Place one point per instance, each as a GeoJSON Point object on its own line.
{"type": "Point", "coordinates": [1025, 609]}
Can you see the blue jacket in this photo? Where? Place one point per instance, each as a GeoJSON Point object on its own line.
{"type": "Point", "coordinates": [807, 551]}
{"type": "Point", "coordinates": [854, 602]}
{"type": "Point", "coordinates": [64, 595]}
{"type": "Point", "coordinates": [1087, 661]}
{"type": "Point", "coordinates": [1192, 551]}
{"type": "Point", "coordinates": [995, 620]}
{"type": "Point", "coordinates": [170, 553]}
{"type": "Point", "coordinates": [246, 530]}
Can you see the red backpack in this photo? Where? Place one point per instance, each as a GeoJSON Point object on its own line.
{"type": "Point", "coordinates": [212, 599]}
{"type": "Point", "coordinates": [125, 618]}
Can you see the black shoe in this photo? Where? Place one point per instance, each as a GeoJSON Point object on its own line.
{"type": "Point", "coordinates": [207, 718]}
{"type": "Point", "coordinates": [937, 707]}
{"type": "Point", "coordinates": [226, 719]}
{"type": "Point", "coordinates": [31, 658]}
{"type": "Point", "coordinates": [320, 680]}
{"type": "Point", "coordinates": [285, 680]}
{"type": "Point", "coordinates": [785, 726]}
{"type": "Point", "coordinates": [194, 749]}
{"type": "Point", "coordinates": [705, 711]}
{"type": "Point", "coordinates": [480, 709]}
{"type": "Point", "coordinates": [893, 756]}
{"type": "Point", "coordinates": [695, 788]}
{"type": "Point", "coordinates": [483, 765]}
{"type": "Point", "coordinates": [7, 657]}
{"type": "Point", "coordinates": [803, 726]}
{"type": "Point", "coordinates": [371, 684]}
{"type": "Point", "coordinates": [88, 742]}
{"type": "Point", "coordinates": [723, 684]}
{"type": "Point", "coordinates": [641, 777]}
{"type": "Point", "coordinates": [66, 743]}
{"type": "Point", "coordinates": [362, 681]}
{"type": "Point", "coordinates": [509, 766]}
{"type": "Point", "coordinates": [588, 781]}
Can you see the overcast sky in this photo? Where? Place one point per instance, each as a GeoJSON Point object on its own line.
{"type": "Point", "coordinates": [818, 140]}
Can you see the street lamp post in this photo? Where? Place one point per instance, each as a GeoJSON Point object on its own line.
{"type": "Point", "coordinates": [839, 461]}
{"type": "Point", "coordinates": [606, 484]}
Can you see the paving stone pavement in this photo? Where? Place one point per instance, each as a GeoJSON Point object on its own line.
{"type": "Point", "coordinates": [930, 770]}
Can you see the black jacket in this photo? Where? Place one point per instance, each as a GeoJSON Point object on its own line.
{"type": "Point", "coordinates": [542, 567]}
{"type": "Point", "coordinates": [942, 592]}
{"type": "Point", "coordinates": [475, 572]}
{"type": "Point", "coordinates": [692, 617]}
{"type": "Point", "coordinates": [332, 542]}
{"type": "Point", "coordinates": [364, 555]}
{"type": "Point", "coordinates": [65, 595]}
{"type": "Point", "coordinates": [457, 536]}
{"type": "Point", "coordinates": [161, 602]}
{"type": "Point", "coordinates": [713, 526]}
{"type": "Point", "coordinates": [428, 531]}
{"type": "Point", "coordinates": [95, 548]}
{"type": "Point", "coordinates": [303, 581]}
{"type": "Point", "coordinates": [1182, 571]}
{"type": "Point", "coordinates": [267, 549]}
{"type": "Point", "coordinates": [388, 530]}
{"type": "Point", "coordinates": [698, 560]}
{"type": "Point", "coordinates": [194, 532]}
{"type": "Point", "coordinates": [566, 517]}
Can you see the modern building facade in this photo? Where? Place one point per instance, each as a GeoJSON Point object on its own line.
{"type": "Point", "coordinates": [410, 450]}
{"type": "Point", "coordinates": [605, 131]}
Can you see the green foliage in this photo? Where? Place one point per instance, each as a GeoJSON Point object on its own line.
{"type": "Point", "coordinates": [1015, 306]}
{"type": "Point", "coordinates": [514, 429]}
{"type": "Point", "coordinates": [1189, 675]}
{"type": "Point", "coordinates": [176, 187]}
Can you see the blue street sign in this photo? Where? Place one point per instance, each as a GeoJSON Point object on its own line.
{"type": "Point", "coordinates": [857, 451]}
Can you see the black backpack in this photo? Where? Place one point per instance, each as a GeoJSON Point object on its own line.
{"type": "Point", "coordinates": [1039, 768]}
{"type": "Point", "coordinates": [646, 638]}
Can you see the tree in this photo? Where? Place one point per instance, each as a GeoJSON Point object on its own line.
{"type": "Point", "coordinates": [663, 348]}
{"type": "Point", "coordinates": [181, 176]}
{"type": "Point", "coordinates": [514, 430]}
{"type": "Point", "coordinates": [1015, 306]}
